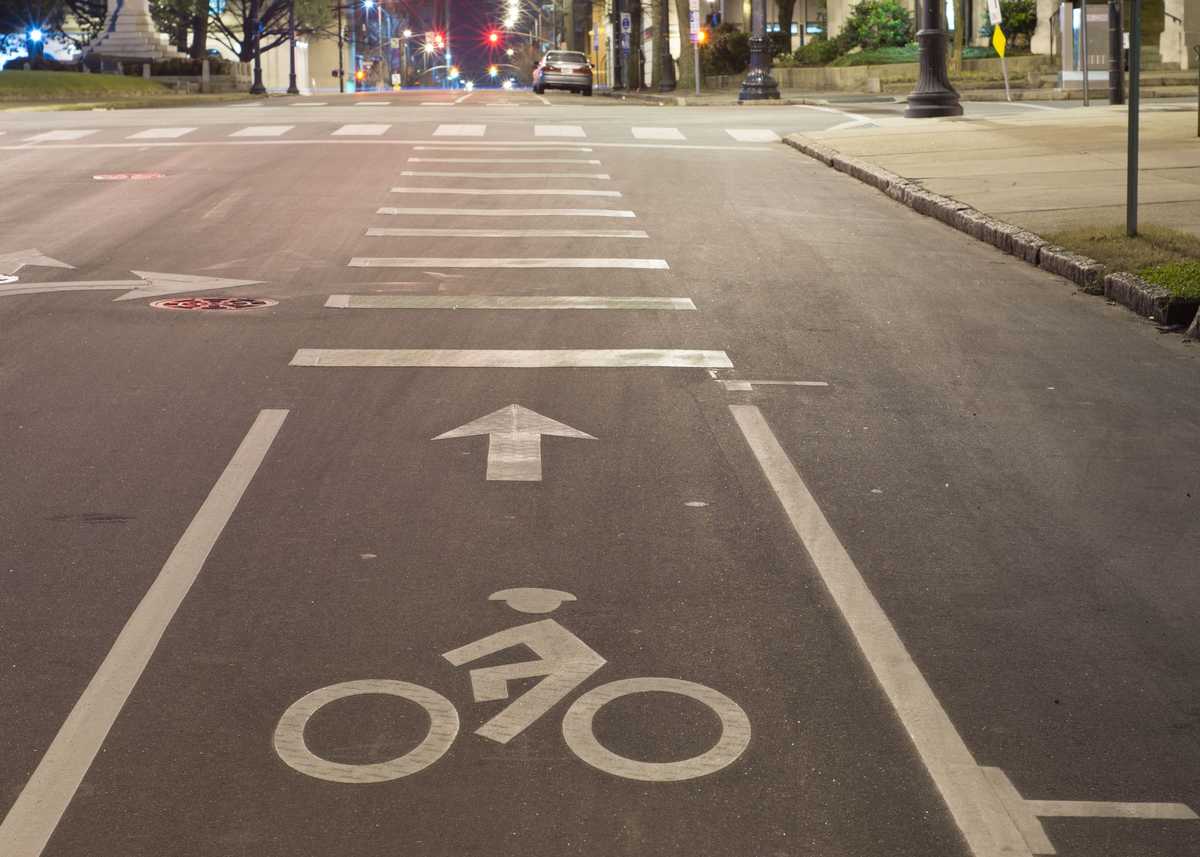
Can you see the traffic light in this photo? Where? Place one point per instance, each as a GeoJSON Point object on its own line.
{"type": "Point", "coordinates": [493, 38]}
{"type": "Point", "coordinates": [493, 70]}
{"type": "Point", "coordinates": [702, 36]}
{"type": "Point", "coordinates": [360, 75]}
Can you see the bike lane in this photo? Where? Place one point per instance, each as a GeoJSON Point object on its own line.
{"type": "Point", "coordinates": [365, 550]}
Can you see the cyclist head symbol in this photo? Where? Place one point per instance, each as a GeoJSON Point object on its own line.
{"type": "Point", "coordinates": [531, 599]}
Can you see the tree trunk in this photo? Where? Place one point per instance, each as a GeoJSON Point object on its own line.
{"type": "Point", "coordinates": [181, 35]}
{"type": "Point", "coordinates": [687, 64]}
{"type": "Point", "coordinates": [200, 32]}
{"type": "Point", "coordinates": [960, 24]}
{"type": "Point", "coordinates": [786, 9]}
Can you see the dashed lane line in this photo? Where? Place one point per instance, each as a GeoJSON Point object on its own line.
{"type": "Point", "coordinates": [504, 262]}
{"type": "Point", "coordinates": [262, 131]}
{"type": "Point", "coordinates": [160, 134]}
{"type": "Point", "coordinates": [642, 133]}
{"type": "Point", "coordinates": [39, 807]}
{"type": "Point", "coordinates": [593, 358]}
{"type": "Point", "coordinates": [460, 130]}
{"type": "Point", "coordinates": [506, 212]}
{"type": "Point", "coordinates": [530, 191]}
{"type": "Point", "coordinates": [752, 135]}
{"type": "Point", "coordinates": [456, 232]}
{"type": "Point", "coordinates": [361, 130]}
{"type": "Point", "coordinates": [505, 302]}
{"type": "Point", "coordinates": [443, 174]}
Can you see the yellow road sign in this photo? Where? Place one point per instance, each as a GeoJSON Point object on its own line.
{"type": "Point", "coordinates": [998, 40]}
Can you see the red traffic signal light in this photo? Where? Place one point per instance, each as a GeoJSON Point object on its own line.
{"type": "Point", "coordinates": [493, 38]}
{"type": "Point", "coordinates": [360, 75]}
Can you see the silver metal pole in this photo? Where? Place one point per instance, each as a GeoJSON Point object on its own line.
{"type": "Point", "coordinates": [1135, 92]}
{"type": "Point", "coordinates": [1083, 49]}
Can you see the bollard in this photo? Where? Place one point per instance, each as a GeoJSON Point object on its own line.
{"type": "Point", "coordinates": [204, 76]}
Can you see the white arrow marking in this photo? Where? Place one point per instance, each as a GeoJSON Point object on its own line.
{"type": "Point", "coordinates": [151, 285]}
{"type": "Point", "coordinates": [10, 263]}
{"type": "Point", "coordinates": [514, 441]}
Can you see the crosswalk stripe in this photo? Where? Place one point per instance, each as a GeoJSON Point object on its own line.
{"type": "Point", "coordinates": [460, 130]}
{"type": "Point", "coordinates": [486, 147]}
{"type": "Point", "coordinates": [361, 130]}
{"type": "Point", "coordinates": [506, 212]}
{"type": "Point", "coordinates": [753, 135]}
{"type": "Point", "coordinates": [441, 232]}
{"type": "Point", "coordinates": [525, 358]}
{"type": "Point", "coordinates": [598, 176]}
{"type": "Point", "coordinates": [372, 104]}
{"type": "Point", "coordinates": [504, 302]}
{"type": "Point", "coordinates": [642, 133]}
{"type": "Point", "coordinates": [504, 262]}
{"type": "Point", "coordinates": [501, 161]}
{"type": "Point", "coordinates": [558, 131]}
{"type": "Point", "coordinates": [160, 133]}
{"type": "Point", "coordinates": [262, 131]}
{"type": "Point", "coordinates": [308, 104]}
{"type": "Point", "coordinates": [59, 136]}
{"type": "Point", "coordinates": [523, 191]}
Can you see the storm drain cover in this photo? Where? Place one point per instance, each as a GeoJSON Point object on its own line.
{"type": "Point", "coordinates": [213, 303]}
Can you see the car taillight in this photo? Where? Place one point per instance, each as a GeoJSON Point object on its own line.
{"type": "Point", "coordinates": [551, 68]}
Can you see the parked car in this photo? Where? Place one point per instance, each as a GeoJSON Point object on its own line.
{"type": "Point", "coordinates": [563, 70]}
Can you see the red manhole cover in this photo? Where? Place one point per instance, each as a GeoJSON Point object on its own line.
{"type": "Point", "coordinates": [213, 303]}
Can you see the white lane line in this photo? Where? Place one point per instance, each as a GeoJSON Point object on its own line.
{"type": "Point", "coordinates": [642, 133]}
{"type": "Point", "coordinates": [742, 386]}
{"type": "Point", "coordinates": [525, 191]}
{"type": "Point", "coordinates": [1036, 106]}
{"type": "Point", "coordinates": [593, 163]}
{"type": "Point", "coordinates": [543, 99]}
{"type": "Point", "coordinates": [460, 130]}
{"type": "Point", "coordinates": [263, 131]}
{"type": "Point", "coordinates": [507, 212]}
{"type": "Point", "coordinates": [361, 130]}
{"type": "Point", "coordinates": [444, 174]}
{"type": "Point", "coordinates": [160, 134]}
{"type": "Point", "coordinates": [451, 146]}
{"type": "Point", "coordinates": [504, 302]}
{"type": "Point", "coordinates": [976, 809]}
{"type": "Point", "coordinates": [597, 358]}
{"type": "Point", "coordinates": [558, 131]}
{"type": "Point", "coordinates": [372, 103]}
{"type": "Point", "coordinates": [417, 232]}
{"type": "Point", "coordinates": [40, 805]}
{"type": "Point", "coordinates": [752, 135]}
{"type": "Point", "coordinates": [463, 98]}
{"type": "Point", "coordinates": [503, 262]}
{"type": "Point", "coordinates": [307, 103]}
{"type": "Point", "coordinates": [854, 120]}
{"type": "Point", "coordinates": [62, 136]}
{"type": "Point", "coordinates": [437, 103]}
{"type": "Point", "coordinates": [742, 148]}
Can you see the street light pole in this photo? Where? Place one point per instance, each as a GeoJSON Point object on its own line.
{"type": "Point", "coordinates": [256, 88]}
{"type": "Point", "coordinates": [758, 85]}
{"type": "Point", "coordinates": [933, 96]}
{"type": "Point", "coordinates": [667, 83]}
{"type": "Point", "coordinates": [341, 50]}
{"type": "Point", "coordinates": [292, 88]}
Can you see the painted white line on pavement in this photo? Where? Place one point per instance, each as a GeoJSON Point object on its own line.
{"type": "Point", "coordinates": [558, 131]}
{"type": "Point", "coordinates": [460, 130]}
{"type": "Point", "coordinates": [438, 232]}
{"type": "Point", "coordinates": [59, 136]}
{"type": "Point", "coordinates": [543, 99]}
{"type": "Point", "coordinates": [307, 103]}
{"type": "Point", "coordinates": [657, 133]}
{"type": "Point", "coordinates": [752, 135]}
{"type": "Point", "coordinates": [437, 103]}
{"type": "Point", "coordinates": [507, 212]}
{"type": "Point", "coordinates": [263, 131]}
{"type": "Point", "coordinates": [503, 161]}
{"type": "Point", "coordinates": [361, 130]}
{"type": "Point", "coordinates": [504, 262]}
{"type": "Point", "coordinates": [444, 174]}
{"type": "Point", "coordinates": [463, 98]}
{"type": "Point", "coordinates": [977, 810]}
{"type": "Point", "coordinates": [595, 358]}
{"type": "Point", "coordinates": [40, 805]}
{"type": "Point", "coordinates": [855, 120]}
{"type": "Point", "coordinates": [331, 141]}
{"type": "Point", "coordinates": [743, 386]}
{"type": "Point", "coordinates": [458, 146]}
{"type": "Point", "coordinates": [160, 133]}
{"type": "Point", "coordinates": [504, 302]}
{"type": "Point", "coordinates": [524, 191]}
{"type": "Point", "coordinates": [372, 103]}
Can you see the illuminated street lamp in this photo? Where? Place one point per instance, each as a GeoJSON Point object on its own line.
{"type": "Point", "coordinates": [36, 35]}
{"type": "Point", "coordinates": [493, 70]}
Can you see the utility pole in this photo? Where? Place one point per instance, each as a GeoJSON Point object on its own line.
{"type": "Point", "coordinates": [1135, 91]}
{"type": "Point", "coordinates": [341, 49]}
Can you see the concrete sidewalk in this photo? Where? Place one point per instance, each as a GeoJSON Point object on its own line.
{"type": "Point", "coordinates": [1043, 170]}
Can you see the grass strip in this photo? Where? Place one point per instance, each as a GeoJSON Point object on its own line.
{"type": "Point", "coordinates": [1162, 257]}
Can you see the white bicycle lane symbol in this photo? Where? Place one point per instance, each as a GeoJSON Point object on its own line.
{"type": "Point", "coordinates": [565, 661]}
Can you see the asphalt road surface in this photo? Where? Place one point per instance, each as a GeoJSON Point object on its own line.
{"type": "Point", "coordinates": [568, 477]}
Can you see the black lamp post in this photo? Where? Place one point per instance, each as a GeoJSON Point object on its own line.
{"type": "Point", "coordinates": [256, 88]}
{"type": "Point", "coordinates": [758, 85]}
{"type": "Point", "coordinates": [934, 96]}
{"type": "Point", "coordinates": [292, 88]}
{"type": "Point", "coordinates": [667, 84]}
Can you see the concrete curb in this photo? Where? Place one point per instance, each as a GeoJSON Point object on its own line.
{"type": "Point", "coordinates": [1088, 274]}
{"type": "Point", "coordinates": [682, 101]}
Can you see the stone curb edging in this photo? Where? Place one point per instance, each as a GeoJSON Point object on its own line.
{"type": "Point", "coordinates": [1124, 288]}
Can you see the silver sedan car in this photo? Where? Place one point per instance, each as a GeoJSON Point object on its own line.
{"type": "Point", "coordinates": [563, 70]}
